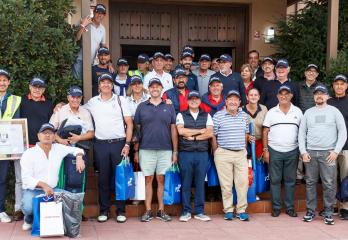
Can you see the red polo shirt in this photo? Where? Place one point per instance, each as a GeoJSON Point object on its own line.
{"type": "Point", "coordinates": [183, 105]}
{"type": "Point", "coordinates": [206, 107]}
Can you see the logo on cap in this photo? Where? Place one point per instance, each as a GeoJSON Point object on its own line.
{"type": "Point", "coordinates": [37, 82]}
{"type": "Point", "coordinates": [282, 63]}
{"type": "Point", "coordinates": [105, 76]}
{"type": "Point", "coordinates": [75, 91]}
{"type": "Point", "coordinates": [122, 61]}
{"type": "Point", "coordinates": [214, 79]}
{"type": "Point", "coordinates": [100, 8]}
{"type": "Point", "coordinates": [340, 77]}
{"type": "Point", "coordinates": [155, 80]}
{"type": "Point", "coordinates": [205, 57]}
{"type": "Point", "coordinates": [193, 94]}
{"type": "Point", "coordinates": [284, 87]}
{"type": "Point", "coordinates": [186, 54]}
{"type": "Point", "coordinates": [233, 92]}
{"type": "Point", "coordinates": [4, 72]}
{"type": "Point", "coordinates": [179, 72]}
{"type": "Point", "coordinates": [103, 50]}
{"type": "Point", "coordinates": [136, 78]}
{"type": "Point", "coordinates": [320, 88]}
{"type": "Point", "coordinates": [46, 126]}
{"type": "Point", "coordinates": [225, 58]}
{"type": "Point", "coordinates": [157, 55]}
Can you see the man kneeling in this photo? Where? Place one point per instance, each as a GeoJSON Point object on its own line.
{"type": "Point", "coordinates": [40, 169]}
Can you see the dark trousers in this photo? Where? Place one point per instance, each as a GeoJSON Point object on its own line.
{"type": "Point", "coordinates": [193, 167]}
{"type": "Point", "coordinates": [3, 176]}
{"type": "Point", "coordinates": [107, 156]}
{"type": "Point", "coordinates": [283, 166]}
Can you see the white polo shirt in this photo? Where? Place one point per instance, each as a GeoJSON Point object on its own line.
{"type": "Point", "coordinates": [283, 128]}
{"type": "Point", "coordinates": [108, 117]}
{"type": "Point", "coordinates": [166, 80]}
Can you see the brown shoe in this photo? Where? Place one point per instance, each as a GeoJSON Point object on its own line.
{"type": "Point", "coordinates": [18, 215]}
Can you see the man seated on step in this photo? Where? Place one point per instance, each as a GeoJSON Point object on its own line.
{"type": "Point", "coordinates": [40, 169]}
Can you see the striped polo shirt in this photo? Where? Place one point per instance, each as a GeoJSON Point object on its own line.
{"type": "Point", "coordinates": [230, 130]}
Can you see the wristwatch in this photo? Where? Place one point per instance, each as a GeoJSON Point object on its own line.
{"type": "Point", "coordinates": [265, 149]}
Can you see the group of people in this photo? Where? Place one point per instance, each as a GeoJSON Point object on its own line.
{"type": "Point", "coordinates": [183, 115]}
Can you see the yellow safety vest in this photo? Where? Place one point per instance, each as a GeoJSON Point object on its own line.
{"type": "Point", "coordinates": [13, 103]}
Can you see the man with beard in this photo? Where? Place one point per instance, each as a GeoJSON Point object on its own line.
{"type": "Point", "coordinates": [322, 135]}
{"type": "Point", "coordinates": [215, 65]}
{"type": "Point", "coordinates": [178, 94]}
{"type": "Point", "coordinates": [100, 68]}
{"type": "Point", "coordinates": [253, 60]}
{"type": "Point", "coordinates": [203, 73]}
{"type": "Point", "coordinates": [186, 62]}
{"type": "Point", "coordinates": [268, 73]}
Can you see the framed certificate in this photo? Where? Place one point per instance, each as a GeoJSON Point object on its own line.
{"type": "Point", "coordinates": [13, 138]}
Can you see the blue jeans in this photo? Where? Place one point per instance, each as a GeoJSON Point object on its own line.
{"type": "Point", "coordinates": [193, 167]}
{"type": "Point", "coordinates": [27, 202]}
{"type": "Point", "coordinates": [77, 69]}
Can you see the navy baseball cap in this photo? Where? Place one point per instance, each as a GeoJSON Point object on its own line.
{"type": "Point", "coordinates": [225, 58]}
{"type": "Point", "coordinates": [320, 88]}
{"type": "Point", "coordinates": [282, 63]}
{"type": "Point", "coordinates": [104, 76]}
{"type": "Point", "coordinates": [75, 91]}
{"type": "Point", "coordinates": [188, 48]}
{"type": "Point", "coordinates": [205, 57]}
{"type": "Point", "coordinates": [186, 54]}
{"type": "Point", "coordinates": [46, 126]}
{"type": "Point", "coordinates": [142, 58]}
{"type": "Point", "coordinates": [158, 55]}
{"type": "Point", "coordinates": [340, 77]}
{"type": "Point", "coordinates": [135, 79]}
{"type": "Point", "coordinates": [100, 8]}
{"type": "Point", "coordinates": [233, 92]}
{"type": "Point", "coordinates": [214, 79]}
{"type": "Point", "coordinates": [122, 61]}
{"type": "Point", "coordinates": [103, 50]}
{"type": "Point", "coordinates": [36, 81]}
{"type": "Point", "coordinates": [179, 72]}
{"type": "Point", "coordinates": [169, 56]}
{"type": "Point", "coordinates": [193, 94]}
{"type": "Point", "coordinates": [309, 66]}
{"type": "Point", "coordinates": [5, 73]}
{"type": "Point", "coordinates": [284, 87]}
{"type": "Point", "coordinates": [155, 80]}
{"type": "Point", "coordinates": [268, 59]}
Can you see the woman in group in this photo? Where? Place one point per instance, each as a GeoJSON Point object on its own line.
{"type": "Point", "coordinates": [246, 73]}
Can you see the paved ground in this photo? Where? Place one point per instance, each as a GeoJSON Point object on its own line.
{"type": "Point", "coordinates": [261, 226]}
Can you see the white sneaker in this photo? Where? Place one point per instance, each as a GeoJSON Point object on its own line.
{"type": "Point", "coordinates": [121, 219]}
{"type": "Point", "coordinates": [202, 217]}
{"type": "Point", "coordinates": [5, 218]}
{"type": "Point", "coordinates": [185, 217]}
{"type": "Point", "coordinates": [102, 218]}
{"type": "Point", "coordinates": [26, 226]}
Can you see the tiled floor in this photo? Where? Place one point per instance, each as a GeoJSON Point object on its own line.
{"type": "Point", "coordinates": [261, 226]}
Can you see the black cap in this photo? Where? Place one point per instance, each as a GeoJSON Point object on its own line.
{"type": "Point", "coordinates": [155, 80]}
{"type": "Point", "coordinates": [46, 126]}
{"type": "Point", "coordinates": [5, 73]}
{"type": "Point", "coordinates": [158, 55]}
{"type": "Point", "coordinates": [225, 58]}
{"type": "Point", "coordinates": [340, 77]}
{"type": "Point", "coordinates": [214, 79]}
{"type": "Point", "coordinates": [233, 92]}
{"type": "Point", "coordinates": [122, 61]}
{"type": "Point", "coordinates": [205, 57]}
{"type": "Point", "coordinates": [282, 63]}
{"type": "Point", "coordinates": [100, 8]}
{"type": "Point", "coordinates": [269, 59]}
{"type": "Point", "coordinates": [142, 58]}
{"type": "Point", "coordinates": [193, 94]}
{"type": "Point", "coordinates": [135, 78]}
{"type": "Point", "coordinates": [284, 87]}
{"type": "Point", "coordinates": [312, 66]}
{"type": "Point", "coordinates": [186, 54]}
{"type": "Point", "coordinates": [179, 72]}
{"type": "Point", "coordinates": [320, 88]}
{"type": "Point", "coordinates": [36, 81]}
{"type": "Point", "coordinates": [169, 56]}
{"type": "Point", "coordinates": [103, 50]}
{"type": "Point", "coordinates": [188, 48]}
{"type": "Point", "coordinates": [75, 91]}
{"type": "Point", "coordinates": [105, 76]}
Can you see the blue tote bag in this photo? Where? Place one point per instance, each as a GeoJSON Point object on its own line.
{"type": "Point", "coordinates": [262, 177]}
{"type": "Point", "coordinates": [35, 229]}
{"type": "Point", "coordinates": [124, 180]}
{"type": "Point", "coordinates": [213, 179]}
{"type": "Point", "coordinates": [172, 186]}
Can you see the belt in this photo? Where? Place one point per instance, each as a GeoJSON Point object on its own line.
{"type": "Point", "coordinates": [233, 150]}
{"type": "Point", "coordinates": [115, 140]}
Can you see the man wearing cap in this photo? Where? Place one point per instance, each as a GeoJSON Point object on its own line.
{"type": "Point", "coordinates": [268, 73]}
{"type": "Point", "coordinates": [168, 66]}
{"type": "Point", "coordinates": [36, 161]}
{"type": "Point", "coordinates": [74, 114]}
{"type": "Point", "coordinates": [253, 60]}
{"type": "Point", "coordinates": [230, 80]}
{"type": "Point", "coordinates": [280, 149]}
{"type": "Point", "coordinates": [195, 128]}
{"type": "Point", "coordinates": [178, 94]}
{"type": "Point", "coordinates": [203, 73]}
{"type": "Point", "coordinates": [340, 101]}
{"type": "Point", "coordinates": [100, 68]}
{"type": "Point", "coordinates": [158, 146]}
{"type": "Point", "coordinates": [213, 101]}
{"type": "Point", "coordinates": [269, 95]}
{"type": "Point", "coordinates": [142, 66]}
{"type": "Point", "coordinates": [158, 72]}
{"type": "Point", "coordinates": [10, 109]}
{"type": "Point", "coordinates": [231, 130]}
{"type": "Point", "coordinates": [35, 108]}
{"type": "Point", "coordinates": [186, 63]}
{"type": "Point", "coordinates": [113, 133]}
{"type": "Point", "coordinates": [122, 79]}
{"type": "Point", "coordinates": [322, 136]}
{"type": "Point", "coordinates": [215, 65]}
{"type": "Point", "coordinates": [98, 38]}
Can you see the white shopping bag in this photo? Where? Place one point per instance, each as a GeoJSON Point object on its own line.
{"type": "Point", "coordinates": [139, 180]}
{"type": "Point", "coordinates": [51, 219]}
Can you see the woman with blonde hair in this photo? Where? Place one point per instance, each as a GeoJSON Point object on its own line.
{"type": "Point", "coordinates": [246, 72]}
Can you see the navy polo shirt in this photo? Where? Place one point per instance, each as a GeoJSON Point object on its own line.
{"type": "Point", "coordinates": [155, 125]}
{"type": "Point", "coordinates": [96, 72]}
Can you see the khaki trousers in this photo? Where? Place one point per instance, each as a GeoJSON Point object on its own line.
{"type": "Point", "coordinates": [342, 160]}
{"type": "Point", "coordinates": [232, 166]}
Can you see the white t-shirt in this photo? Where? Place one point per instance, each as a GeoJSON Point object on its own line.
{"type": "Point", "coordinates": [180, 120]}
{"type": "Point", "coordinates": [166, 80]}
